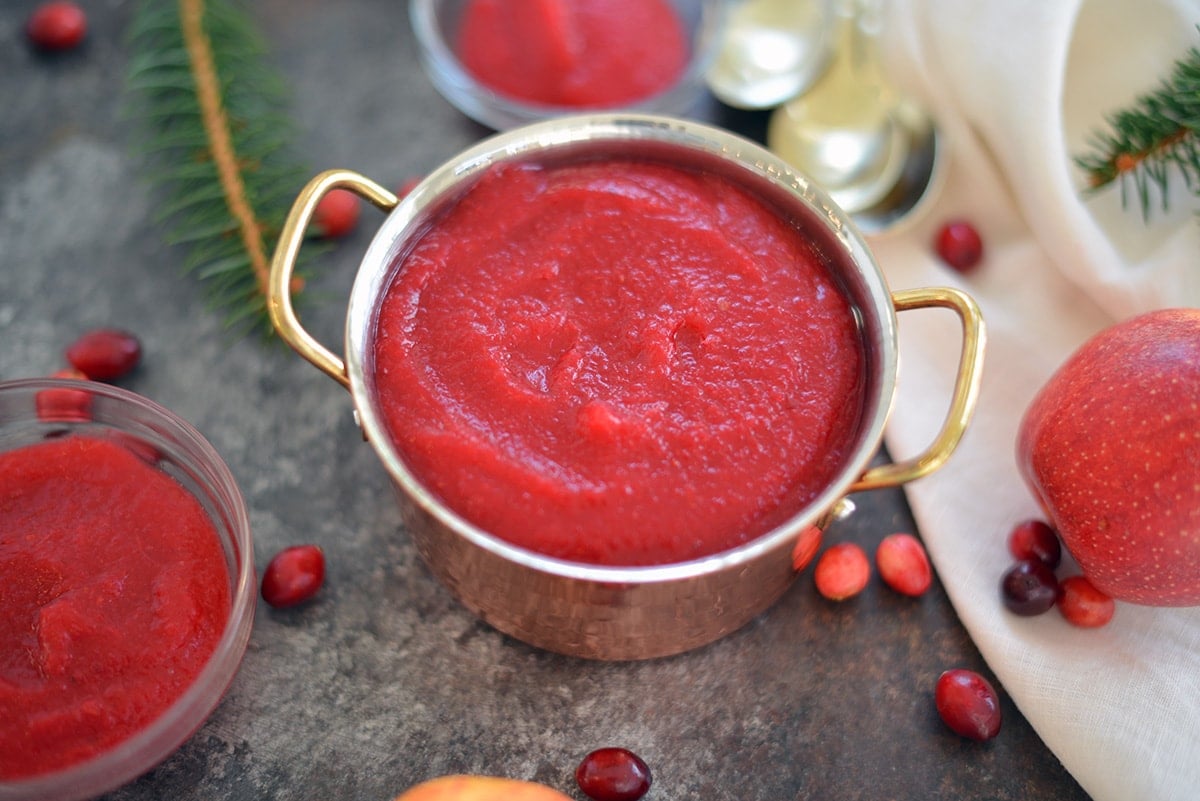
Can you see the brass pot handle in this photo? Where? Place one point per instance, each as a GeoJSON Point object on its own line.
{"type": "Point", "coordinates": [279, 290]}
{"type": "Point", "coordinates": [966, 388]}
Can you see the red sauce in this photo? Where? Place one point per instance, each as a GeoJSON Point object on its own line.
{"type": "Point", "coordinates": [113, 594]}
{"type": "Point", "coordinates": [575, 53]}
{"type": "Point", "coordinates": [618, 362]}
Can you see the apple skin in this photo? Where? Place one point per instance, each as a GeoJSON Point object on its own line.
{"type": "Point", "coordinates": [480, 788]}
{"type": "Point", "coordinates": [1110, 446]}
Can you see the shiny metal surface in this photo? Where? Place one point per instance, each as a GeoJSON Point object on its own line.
{"type": "Point", "coordinates": [874, 150]}
{"type": "Point", "coordinates": [614, 612]}
{"type": "Point", "coordinates": [919, 183]}
{"type": "Point", "coordinates": [770, 51]}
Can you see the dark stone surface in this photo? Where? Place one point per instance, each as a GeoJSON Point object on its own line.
{"type": "Point", "coordinates": [386, 680]}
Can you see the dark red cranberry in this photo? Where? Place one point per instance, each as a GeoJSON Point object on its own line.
{"type": "Point", "coordinates": [1029, 588]}
{"type": "Point", "coordinates": [337, 213]}
{"type": "Point", "coordinates": [1035, 539]}
{"type": "Point", "coordinates": [959, 245]}
{"type": "Point", "coordinates": [968, 704]}
{"type": "Point", "coordinates": [56, 26]}
{"type": "Point", "coordinates": [293, 576]}
{"type": "Point", "coordinates": [105, 353]}
{"type": "Point", "coordinates": [613, 774]}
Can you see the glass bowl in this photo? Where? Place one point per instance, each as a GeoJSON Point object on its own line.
{"type": "Point", "coordinates": [35, 410]}
{"type": "Point", "coordinates": [435, 24]}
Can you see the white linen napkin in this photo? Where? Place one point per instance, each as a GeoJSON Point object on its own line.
{"type": "Point", "coordinates": [1015, 87]}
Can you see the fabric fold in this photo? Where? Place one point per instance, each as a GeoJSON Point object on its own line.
{"type": "Point", "coordinates": [1014, 89]}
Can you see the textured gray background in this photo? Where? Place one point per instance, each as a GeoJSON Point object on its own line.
{"type": "Point", "coordinates": [385, 680]}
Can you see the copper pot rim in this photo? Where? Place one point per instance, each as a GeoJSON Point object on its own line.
{"type": "Point", "coordinates": [746, 160]}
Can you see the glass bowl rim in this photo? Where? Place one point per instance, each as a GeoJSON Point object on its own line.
{"type": "Point", "coordinates": [502, 112]}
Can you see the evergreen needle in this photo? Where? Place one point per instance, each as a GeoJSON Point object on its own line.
{"type": "Point", "coordinates": [215, 143]}
{"type": "Point", "coordinates": [1154, 139]}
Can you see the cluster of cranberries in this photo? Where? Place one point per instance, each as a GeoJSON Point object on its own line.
{"type": "Point", "coordinates": [965, 700]}
{"type": "Point", "coordinates": [1031, 586]}
{"type": "Point", "coordinates": [844, 570]}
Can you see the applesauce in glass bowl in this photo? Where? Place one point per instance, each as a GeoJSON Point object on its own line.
{"type": "Point", "coordinates": [513, 62]}
{"type": "Point", "coordinates": [128, 586]}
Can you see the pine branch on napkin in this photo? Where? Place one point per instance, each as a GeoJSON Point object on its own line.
{"type": "Point", "coordinates": [1159, 134]}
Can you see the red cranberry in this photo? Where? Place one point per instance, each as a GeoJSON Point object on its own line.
{"type": "Point", "coordinates": [293, 576]}
{"type": "Point", "coordinates": [1083, 605]}
{"type": "Point", "coordinates": [1035, 539]}
{"type": "Point", "coordinates": [959, 245]}
{"type": "Point", "coordinates": [968, 704]}
{"type": "Point", "coordinates": [1029, 588]}
{"type": "Point", "coordinates": [842, 571]}
{"type": "Point", "coordinates": [903, 565]}
{"type": "Point", "coordinates": [337, 213]}
{"type": "Point", "coordinates": [806, 547]}
{"type": "Point", "coordinates": [613, 774]}
{"type": "Point", "coordinates": [56, 26]}
{"type": "Point", "coordinates": [105, 353]}
{"type": "Point", "coordinates": [61, 405]}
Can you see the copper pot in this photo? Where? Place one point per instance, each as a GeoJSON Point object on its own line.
{"type": "Point", "coordinates": [623, 612]}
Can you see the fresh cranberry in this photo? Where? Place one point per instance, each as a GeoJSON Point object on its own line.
{"type": "Point", "coordinates": [806, 547]}
{"type": "Point", "coordinates": [56, 26]}
{"type": "Point", "coordinates": [903, 565]}
{"type": "Point", "coordinates": [337, 213]}
{"type": "Point", "coordinates": [1029, 588]}
{"type": "Point", "coordinates": [959, 245]}
{"type": "Point", "coordinates": [842, 571]}
{"type": "Point", "coordinates": [1035, 539]}
{"type": "Point", "coordinates": [105, 353]}
{"type": "Point", "coordinates": [293, 576]}
{"type": "Point", "coordinates": [613, 774]}
{"type": "Point", "coordinates": [62, 405]}
{"type": "Point", "coordinates": [1083, 605]}
{"type": "Point", "coordinates": [968, 704]}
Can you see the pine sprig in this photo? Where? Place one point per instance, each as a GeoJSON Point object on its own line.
{"type": "Point", "coordinates": [1148, 142]}
{"type": "Point", "coordinates": [216, 144]}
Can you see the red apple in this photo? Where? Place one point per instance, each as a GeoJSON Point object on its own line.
{"type": "Point", "coordinates": [1111, 448]}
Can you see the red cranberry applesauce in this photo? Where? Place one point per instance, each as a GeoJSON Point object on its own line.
{"type": "Point", "coordinates": [618, 361]}
{"type": "Point", "coordinates": [113, 594]}
{"type": "Point", "coordinates": [574, 53]}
